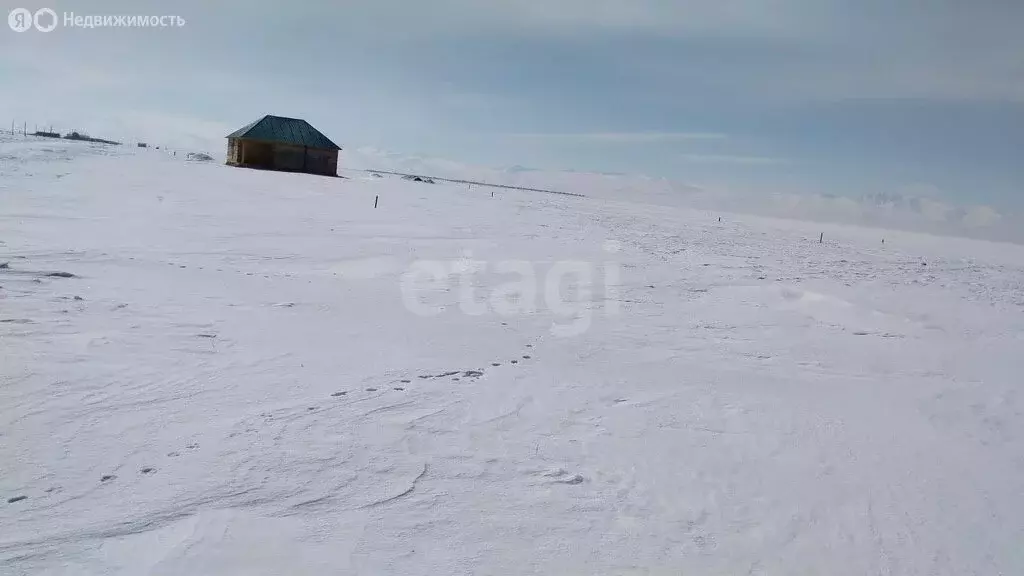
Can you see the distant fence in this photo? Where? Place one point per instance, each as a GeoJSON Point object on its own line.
{"type": "Point", "coordinates": [476, 183]}
{"type": "Point", "coordinates": [48, 132]}
{"type": "Point", "coordinates": [33, 130]}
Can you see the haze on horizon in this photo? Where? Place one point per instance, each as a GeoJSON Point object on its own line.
{"type": "Point", "coordinates": [833, 99]}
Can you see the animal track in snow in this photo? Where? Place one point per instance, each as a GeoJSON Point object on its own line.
{"type": "Point", "coordinates": [442, 375]}
{"type": "Point", "coordinates": [560, 476]}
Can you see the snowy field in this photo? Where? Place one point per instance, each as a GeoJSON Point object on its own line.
{"type": "Point", "coordinates": [260, 373]}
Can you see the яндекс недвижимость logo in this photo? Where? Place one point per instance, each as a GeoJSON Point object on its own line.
{"type": "Point", "coordinates": [46, 20]}
{"type": "Point", "coordinates": [21, 19]}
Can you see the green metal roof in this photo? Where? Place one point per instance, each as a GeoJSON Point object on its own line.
{"type": "Point", "coordinates": [288, 130]}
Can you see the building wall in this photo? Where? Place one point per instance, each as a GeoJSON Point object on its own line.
{"type": "Point", "coordinates": [257, 154]}
{"type": "Point", "coordinates": [322, 161]}
{"type": "Point", "coordinates": [286, 157]}
{"type": "Point", "coordinates": [239, 154]}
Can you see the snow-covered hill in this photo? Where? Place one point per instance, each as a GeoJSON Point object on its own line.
{"type": "Point", "coordinates": [211, 370]}
{"type": "Point", "coordinates": [594, 185]}
{"type": "Point", "coordinates": [912, 208]}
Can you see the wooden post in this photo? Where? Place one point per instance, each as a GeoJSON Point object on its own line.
{"type": "Point", "coordinates": [821, 238]}
{"type": "Point", "coordinates": [376, 198]}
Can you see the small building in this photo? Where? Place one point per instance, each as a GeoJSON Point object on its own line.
{"type": "Point", "coordinates": [285, 144]}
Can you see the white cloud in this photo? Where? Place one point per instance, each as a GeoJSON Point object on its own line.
{"type": "Point", "coordinates": [934, 211]}
{"type": "Point", "coordinates": [623, 137]}
{"type": "Point", "coordinates": [733, 159]}
{"type": "Point", "coordinates": [981, 217]}
{"type": "Point", "coordinates": [731, 17]}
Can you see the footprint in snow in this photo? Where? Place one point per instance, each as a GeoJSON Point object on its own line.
{"type": "Point", "coordinates": [371, 389]}
{"type": "Point", "coordinates": [560, 476]}
{"type": "Point", "coordinates": [336, 394]}
{"type": "Point", "coordinates": [148, 470]}
{"type": "Point", "coordinates": [16, 499]}
{"type": "Point", "coordinates": [108, 478]}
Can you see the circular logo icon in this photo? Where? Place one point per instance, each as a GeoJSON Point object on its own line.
{"type": "Point", "coordinates": [20, 19]}
{"type": "Point", "coordinates": [45, 20]}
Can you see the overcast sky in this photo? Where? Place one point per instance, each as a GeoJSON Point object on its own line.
{"type": "Point", "coordinates": [828, 96]}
